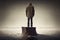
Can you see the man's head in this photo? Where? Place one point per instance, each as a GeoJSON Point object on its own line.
{"type": "Point", "coordinates": [30, 4]}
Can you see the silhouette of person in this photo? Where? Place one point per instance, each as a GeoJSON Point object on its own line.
{"type": "Point", "coordinates": [30, 14]}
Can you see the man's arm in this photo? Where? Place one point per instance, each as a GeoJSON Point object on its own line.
{"type": "Point", "coordinates": [26, 11]}
{"type": "Point", "coordinates": [33, 11]}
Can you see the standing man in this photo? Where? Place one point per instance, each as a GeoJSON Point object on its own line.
{"type": "Point", "coordinates": [30, 13]}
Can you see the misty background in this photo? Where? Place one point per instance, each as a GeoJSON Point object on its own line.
{"type": "Point", "coordinates": [13, 17]}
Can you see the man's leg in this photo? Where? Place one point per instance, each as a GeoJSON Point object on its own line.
{"type": "Point", "coordinates": [31, 22]}
{"type": "Point", "coordinates": [28, 21]}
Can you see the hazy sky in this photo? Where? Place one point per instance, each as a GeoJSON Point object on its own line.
{"type": "Point", "coordinates": [13, 16]}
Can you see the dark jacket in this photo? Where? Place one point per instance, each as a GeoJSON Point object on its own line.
{"type": "Point", "coordinates": [30, 11]}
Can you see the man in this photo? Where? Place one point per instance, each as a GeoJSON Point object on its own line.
{"type": "Point", "coordinates": [30, 14]}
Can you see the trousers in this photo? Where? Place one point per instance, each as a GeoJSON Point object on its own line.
{"type": "Point", "coordinates": [30, 22]}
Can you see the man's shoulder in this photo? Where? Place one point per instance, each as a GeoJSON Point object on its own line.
{"type": "Point", "coordinates": [30, 7]}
